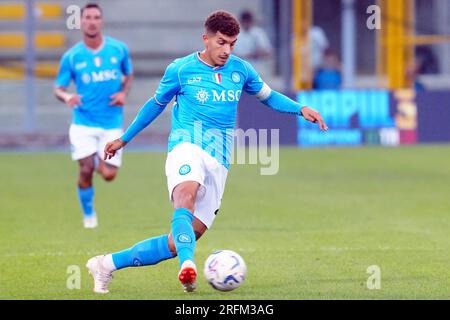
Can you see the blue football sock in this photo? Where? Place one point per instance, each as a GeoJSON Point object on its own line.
{"type": "Point", "coordinates": [86, 197]}
{"type": "Point", "coordinates": [144, 253]}
{"type": "Point", "coordinates": [183, 234]}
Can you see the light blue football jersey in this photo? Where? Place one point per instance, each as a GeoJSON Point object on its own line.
{"type": "Point", "coordinates": [206, 101]}
{"type": "Point", "coordinates": [97, 75]}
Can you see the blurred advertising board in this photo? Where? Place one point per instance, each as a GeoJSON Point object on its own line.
{"type": "Point", "coordinates": [357, 117]}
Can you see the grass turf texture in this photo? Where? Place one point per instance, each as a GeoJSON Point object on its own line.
{"type": "Point", "coordinates": [309, 232]}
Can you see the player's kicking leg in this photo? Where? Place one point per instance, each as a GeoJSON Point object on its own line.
{"type": "Point", "coordinates": [183, 235]}
{"type": "Point", "coordinates": [147, 252]}
{"type": "Point", "coordinates": [183, 186]}
{"type": "Point", "coordinates": [144, 253]}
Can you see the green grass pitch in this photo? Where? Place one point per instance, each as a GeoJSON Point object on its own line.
{"type": "Point", "coordinates": [309, 232]}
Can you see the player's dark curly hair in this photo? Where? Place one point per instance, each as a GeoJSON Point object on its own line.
{"type": "Point", "coordinates": [222, 21]}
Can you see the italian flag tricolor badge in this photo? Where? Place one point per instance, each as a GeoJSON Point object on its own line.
{"type": "Point", "coordinates": [97, 61]}
{"type": "Point", "coordinates": [217, 78]}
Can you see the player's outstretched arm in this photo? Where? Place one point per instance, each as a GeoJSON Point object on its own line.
{"type": "Point", "coordinates": [254, 85]}
{"type": "Point", "coordinates": [168, 88]}
{"type": "Point", "coordinates": [281, 103]}
{"type": "Point", "coordinates": [149, 112]}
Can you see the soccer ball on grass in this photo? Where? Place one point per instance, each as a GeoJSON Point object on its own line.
{"type": "Point", "coordinates": [225, 270]}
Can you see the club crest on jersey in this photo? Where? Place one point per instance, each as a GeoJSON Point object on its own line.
{"type": "Point", "coordinates": [184, 169]}
{"type": "Point", "coordinates": [97, 61]}
{"type": "Point", "coordinates": [235, 77]}
{"type": "Point", "coordinates": [184, 238]}
{"type": "Point", "coordinates": [217, 78]}
{"type": "Point", "coordinates": [137, 262]}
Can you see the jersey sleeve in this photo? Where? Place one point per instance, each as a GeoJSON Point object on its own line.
{"type": "Point", "coordinates": [126, 66]}
{"type": "Point", "coordinates": [64, 72]}
{"type": "Point", "coordinates": [254, 85]}
{"type": "Point", "coordinates": [169, 85]}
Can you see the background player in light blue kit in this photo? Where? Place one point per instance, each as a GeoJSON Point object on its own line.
{"type": "Point", "coordinates": [207, 86]}
{"type": "Point", "coordinates": [102, 72]}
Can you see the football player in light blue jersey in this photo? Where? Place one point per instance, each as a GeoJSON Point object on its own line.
{"type": "Point", "coordinates": [207, 86]}
{"type": "Point", "coordinates": [101, 69]}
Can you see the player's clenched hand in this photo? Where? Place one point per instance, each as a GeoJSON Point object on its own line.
{"type": "Point", "coordinates": [313, 116]}
{"type": "Point", "coordinates": [118, 99]}
{"type": "Point", "coordinates": [112, 147]}
{"type": "Point", "coordinates": [73, 100]}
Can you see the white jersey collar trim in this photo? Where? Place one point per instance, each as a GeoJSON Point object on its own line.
{"type": "Point", "coordinates": [206, 63]}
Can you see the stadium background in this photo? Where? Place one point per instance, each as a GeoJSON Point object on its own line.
{"type": "Point", "coordinates": [375, 105]}
{"type": "Point", "coordinates": [34, 119]}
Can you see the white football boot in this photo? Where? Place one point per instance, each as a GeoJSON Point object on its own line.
{"type": "Point", "coordinates": [188, 276]}
{"type": "Point", "coordinates": [90, 222]}
{"type": "Point", "coordinates": [102, 276]}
